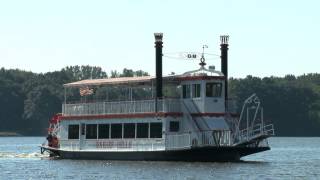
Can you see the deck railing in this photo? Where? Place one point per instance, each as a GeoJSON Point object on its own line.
{"type": "Point", "coordinates": [114, 144]}
{"type": "Point", "coordinates": [178, 141]}
{"type": "Point", "coordinates": [125, 145]}
{"type": "Point", "coordinates": [259, 130]}
{"type": "Point", "coordinates": [198, 139]}
{"type": "Point", "coordinates": [69, 144]}
{"type": "Point", "coordinates": [170, 142]}
{"type": "Point", "coordinates": [122, 107]}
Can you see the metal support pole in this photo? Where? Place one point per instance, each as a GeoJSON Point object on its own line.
{"type": "Point", "coordinates": [247, 123]}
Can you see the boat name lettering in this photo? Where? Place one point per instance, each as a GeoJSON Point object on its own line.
{"type": "Point", "coordinates": [113, 144]}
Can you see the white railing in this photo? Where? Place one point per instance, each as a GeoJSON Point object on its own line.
{"type": "Point", "coordinates": [126, 145]}
{"type": "Point", "coordinates": [114, 144]}
{"type": "Point", "coordinates": [178, 141]}
{"type": "Point", "coordinates": [170, 142]}
{"type": "Point", "coordinates": [213, 138]}
{"type": "Point", "coordinates": [121, 107]}
{"type": "Point", "coordinates": [198, 139]}
{"type": "Point", "coordinates": [248, 134]}
{"type": "Point", "coordinates": [69, 144]}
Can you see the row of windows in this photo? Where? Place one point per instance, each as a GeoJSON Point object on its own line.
{"type": "Point", "coordinates": [116, 131]}
{"type": "Point", "coordinates": [212, 90]}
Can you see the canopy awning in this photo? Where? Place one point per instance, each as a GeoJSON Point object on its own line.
{"type": "Point", "coordinates": [110, 81]}
{"type": "Point", "coordinates": [141, 80]}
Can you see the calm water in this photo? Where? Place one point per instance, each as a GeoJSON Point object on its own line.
{"type": "Point", "coordinates": [290, 158]}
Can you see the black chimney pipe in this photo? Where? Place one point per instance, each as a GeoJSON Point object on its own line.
{"type": "Point", "coordinates": [224, 62]}
{"type": "Point", "coordinates": [158, 45]}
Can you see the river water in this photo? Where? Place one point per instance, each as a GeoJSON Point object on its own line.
{"type": "Point", "coordinates": [289, 158]}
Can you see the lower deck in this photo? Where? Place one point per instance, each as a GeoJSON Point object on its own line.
{"type": "Point", "coordinates": [165, 142]}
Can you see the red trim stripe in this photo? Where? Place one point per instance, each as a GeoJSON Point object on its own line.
{"type": "Point", "coordinates": [119, 116]}
{"type": "Point", "coordinates": [213, 114]}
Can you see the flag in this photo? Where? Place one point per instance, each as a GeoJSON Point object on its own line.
{"type": "Point", "coordinates": [84, 91]}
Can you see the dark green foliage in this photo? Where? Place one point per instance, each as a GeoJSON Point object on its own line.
{"type": "Point", "coordinates": [291, 103]}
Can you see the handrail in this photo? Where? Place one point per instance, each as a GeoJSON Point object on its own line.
{"type": "Point", "coordinates": [120, 107]}
{"type": "Point", "coordinates": [245, 135]}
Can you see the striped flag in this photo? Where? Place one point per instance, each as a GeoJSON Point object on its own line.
{"type": "Point", "coordinates": [84, 91]}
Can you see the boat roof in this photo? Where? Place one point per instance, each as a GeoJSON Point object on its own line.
{"type": "Point", "coordinates": [110, 81]}
{"type": "Point", "coordinates": [190, 75]}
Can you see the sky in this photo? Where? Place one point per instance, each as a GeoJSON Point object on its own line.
{"type": "Point", "coordinates": [267, 38]}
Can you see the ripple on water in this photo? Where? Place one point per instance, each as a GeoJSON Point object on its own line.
{"type": "Point", "coordinates": [20, 159]}
{"type": "Point", "coordinates": [22, 155]}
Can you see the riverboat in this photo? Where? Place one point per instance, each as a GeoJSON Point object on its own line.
{"type": "Point", "coordinates": [186, 117]}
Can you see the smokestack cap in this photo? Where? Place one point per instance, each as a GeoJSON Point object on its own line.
{"type": "Point", "coordinates": [158, 37]}
{"type": "Point", "coordinates": [224, 39]}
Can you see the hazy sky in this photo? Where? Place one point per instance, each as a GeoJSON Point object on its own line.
{"type": "Point", "coordinates": [271, 37]}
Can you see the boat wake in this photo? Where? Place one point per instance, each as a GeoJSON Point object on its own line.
{"type": "Point", "coordinates": [23, 155]}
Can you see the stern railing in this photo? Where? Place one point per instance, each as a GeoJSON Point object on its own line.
{"type": "Point", "coordinates": [198, 139]}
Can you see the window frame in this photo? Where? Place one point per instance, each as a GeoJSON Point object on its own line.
{"type": "Point", "coordinates": [214, 88]}
{"type": "Point", "coordinates": [129, 135]}
{"type": "Point", "coordinates": [91, 131]}
{"type": "Point", "coordinates": [74, 133]}
{"type": "Point", "coordinates": [112, 136]}
{"type": "Point", "coordinates": [154, 129]}
{"type": "Point", "coordinates": [196, 90]}
{"type": "Point", "coordinates": [102, 133]}
{"type": "Point", "coordinates": [186, 91]}
{"type": "Point", "coordinates": [138, 134]}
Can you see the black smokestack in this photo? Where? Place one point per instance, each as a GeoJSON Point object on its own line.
{"type": "Point", "coordinates": [158, 45]}
{"type": "Point", "coordinates": [224, 61]}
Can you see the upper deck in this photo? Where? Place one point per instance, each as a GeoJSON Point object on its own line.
{"type": "Point", "coordinates": [121, 107]}
{"type": "Point", "coordinates": [179, 94]}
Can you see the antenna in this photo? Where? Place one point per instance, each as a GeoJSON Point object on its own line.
{"type": "Point", "coordinates": [202, 59]}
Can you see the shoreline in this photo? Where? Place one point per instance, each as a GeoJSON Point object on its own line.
{"type": "Point", "coordinates": [9, 134]}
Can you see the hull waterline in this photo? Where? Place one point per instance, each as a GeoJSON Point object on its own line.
{"type": "Point", "coordinates": [202, 154]}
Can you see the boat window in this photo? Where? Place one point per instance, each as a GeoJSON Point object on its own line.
{"type": "Point", "coordinates": [142, 130]}
{"type": "Point", "coordinates": [103, 131]}
{"type": "Point", "coordinates": [116, 131]}
{"type": "Point", "coordinates": [196, 89]}
{"type": "Point", "coordinates": [213, 89]}
{"type": "Point", "coordinates": [73, 131]}
{"type": "Point", "coordinates": [174, 126]}
{"type": "Point", "coordinates": [186, 91]}
{"type": "Point", "coordinates": [155, 130]}
{"type": "Point", "coordinates": [91, 131]}
{"type": "Point", "coordinates": [129, 130]}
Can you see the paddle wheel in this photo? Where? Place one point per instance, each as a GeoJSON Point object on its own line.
{"type": "Point", "coordinates": [53, 140]}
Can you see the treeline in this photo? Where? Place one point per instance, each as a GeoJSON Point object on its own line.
{"type": "Point", "coordinates": [291, 103]}
{"type": "Point", "coordinates": [28, 100]}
